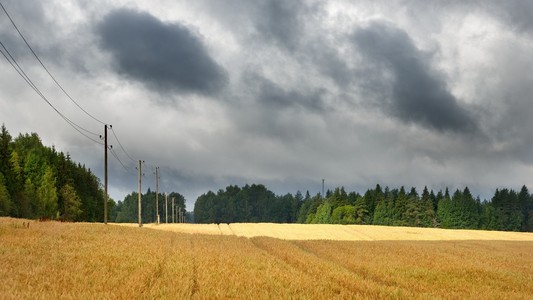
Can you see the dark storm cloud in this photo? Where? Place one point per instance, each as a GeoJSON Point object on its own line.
{"type": "Point", "coordinates": [163, 56]}
{"type": "Point", "coordinates": [418, 94]}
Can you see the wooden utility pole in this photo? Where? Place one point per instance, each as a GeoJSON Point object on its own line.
{"type": "Point", "coordinates": [105, 174]}
{"type": "Point", "coordinates": [156, 195]}
{"type": "Point", "coordinates": [166, 207]}
{"type": "Point", "coordinates": [173, 210]}
{"type": "Point", "coordinates": [140, 175]}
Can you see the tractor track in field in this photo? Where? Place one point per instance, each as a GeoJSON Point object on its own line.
{"type": "Point", "coordinates": [318, 272]}
{"type": "Point", "coordinates": [157, 273]}
{"type": "Point", "coordinates": [352, 269]}
{"type": "Point", "coordinates": [233, 232]}
{"type": "Point", "coordinates": [194, 278]}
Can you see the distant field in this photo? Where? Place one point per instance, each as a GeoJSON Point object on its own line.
{"type": "Point", "coordinates": [67, 260]}
{"type": "Point", "coordinates": [341, 232]}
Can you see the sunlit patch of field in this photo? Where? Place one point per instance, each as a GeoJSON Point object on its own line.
{"type": "Point", "coordinates": [342, 232]}
{"type": "Point", "coordinates": [53, 260]}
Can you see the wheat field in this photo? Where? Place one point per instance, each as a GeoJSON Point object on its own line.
{"type": "Point", "coordinates": [96, 261]}
{"type": "Point", "coordinates": [341, 232]}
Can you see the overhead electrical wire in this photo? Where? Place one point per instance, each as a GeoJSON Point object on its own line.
{"type": "Point", "coordinates": [118, 159]}
{"type": "Point", "coordinates": [120, 144]}
{"type": "Point", "coordinates": [28, 80]}
{"type": "Point", "coordinates": [45, 68]}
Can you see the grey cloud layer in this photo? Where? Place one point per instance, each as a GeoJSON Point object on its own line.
{"type": "Point", "coordinates": [292, 94]}
{"type": "Point", "coordinates": [165, 57]}
{"type": "Point", "coordinates": [418, 94]}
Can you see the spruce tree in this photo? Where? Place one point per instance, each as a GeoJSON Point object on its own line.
{"type": "Point", "coordinates": [5, 199]}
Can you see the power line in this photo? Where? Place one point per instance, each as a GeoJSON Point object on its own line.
{"type": "Point", "coordinates": [118, 159]}
{"type": "Point", "coordinates": [120, 144]}
{"type": "Point", "coordinates": [45, 68]}
{"type": "Point", "coordinates": [28, 80]}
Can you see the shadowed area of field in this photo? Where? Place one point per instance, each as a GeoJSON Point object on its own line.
{"type": "Point", "coordinates": [51, 260]}
{"type": "Point", "coordinates": [341, 232]}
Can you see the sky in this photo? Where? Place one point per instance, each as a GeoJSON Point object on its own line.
{"type": "Point", "coordinates": [282, 93]}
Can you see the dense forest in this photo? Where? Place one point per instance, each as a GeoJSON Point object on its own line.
{"type": "Point", "coordinates": [127, 210]}
{"type": "Point", "coordinates": [507, 210]}
{"type": "Point", "coordinates": [39, 182]}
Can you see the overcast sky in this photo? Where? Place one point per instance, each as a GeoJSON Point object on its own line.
{"type": "Point", "coordinates": [282, 93]}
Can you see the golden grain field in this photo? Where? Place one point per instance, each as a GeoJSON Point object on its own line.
{"type": "Point", "coordinates": [341, 232]}
{"type": "Point", "coordinates": [53, 260]}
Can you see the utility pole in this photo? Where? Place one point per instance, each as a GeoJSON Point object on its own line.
{"type": "Point", "coordinates": [173, 221]}
{"type": "Point", "coordinates": [156, 195]}
{"type": "Point", "coordinates": [166, 207]}
{"type": "Point", "coordinates": [105, 173]}
{"type": "Point", "coordinates": [140, 175]}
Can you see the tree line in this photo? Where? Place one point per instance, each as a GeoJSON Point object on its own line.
{"type": "Point", "coordinates": [251, 203]}
{"type": "Point", "coordinates": [127, 210]}
{"type": "Point", "coordinates": [507, 210]}
{"type": "Point", "coordinates": [39, 182]}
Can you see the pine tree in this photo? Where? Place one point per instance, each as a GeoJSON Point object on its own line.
{"type": "Point", "coordinates": [523, 201]}
{"type": "Point", "coordinates": [401, 204]}
{"type": "Point", "coordinates": [5, 153]}
{"type": "Point", "coordinates": [362, 213]}
{"type": "Point", "coordinates": [444, 211]}
{"type": "Point", "coordinates": [427, 211]}
{"type": "Point", "coordinates": [5, 199]}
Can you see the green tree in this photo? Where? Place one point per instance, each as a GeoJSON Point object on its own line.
{"type": "Point", "coordinates": [400, 207]}
{"type": "Point", "coordinates": [444, 210]}
{"type": "Point", "coordinates": [5, 199]}
{"type": "Point", "coordinates": [427, 211]}
{"type": "Point", "coordinates": [523, 202]}
{"type": "Point", "coordinates": [5, 153]}
{"type": "Point", "coordinates": [384, 213]}
{"type": "Point", "coordinates": [47, 195]}
{"type": "Point", "coordinates": [30, 193]}
{"type": "Point", "coordinates": [343, 215]}
{"type": "Point", "coordinates": [362, 214]}
{"type": "Point", "coordinates": [18, 199]}
{"type": "Point", "coordinates": [412, 214]}
{"type": "Point", "coordinates": [488, 217]}
{"type": "Point", "coordinates": [72, 203]}
{"type": "Point", "coordinates": [323, 213]}
{"type": "Point", "coordinates": [338, 198]}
